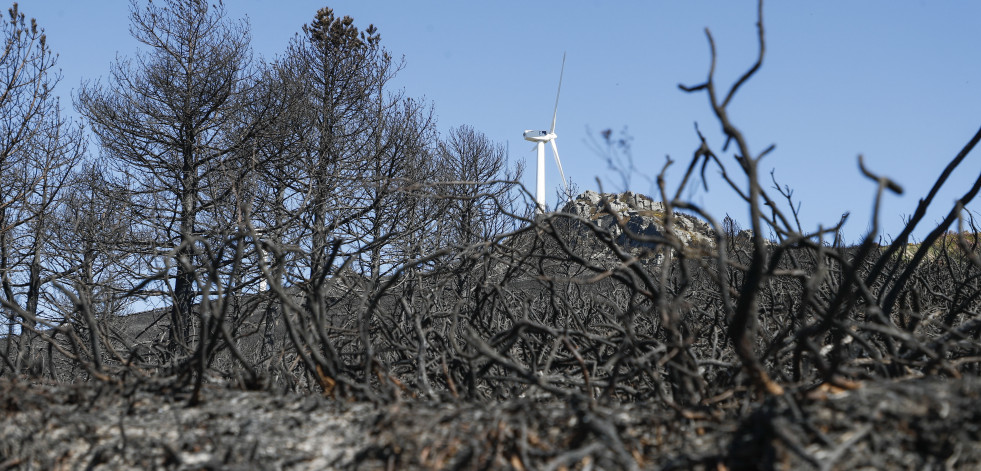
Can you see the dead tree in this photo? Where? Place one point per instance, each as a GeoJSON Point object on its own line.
{"type": "Point", "coordinates": [169, 119]}
{"type": "Point", "coordinates": [37, 148]}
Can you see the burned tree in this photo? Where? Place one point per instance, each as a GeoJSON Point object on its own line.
{"type": "Point", "coordinates": [482, 186]}
{"type": "Point", "coordinates": [169, 119]}
{"type": "Point", "coordinates": [38, 146]}
{"type": "Point", "coordinates": [348, 186]}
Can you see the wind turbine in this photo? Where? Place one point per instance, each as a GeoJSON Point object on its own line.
{"type": "Point", "coordinates": [540, 138]}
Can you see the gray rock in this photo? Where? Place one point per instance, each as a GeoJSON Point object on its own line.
{"type": "Point", "coordinates": [638, 222]}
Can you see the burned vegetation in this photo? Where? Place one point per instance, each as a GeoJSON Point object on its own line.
{"type": "Point", "coordinates": [283, 266]}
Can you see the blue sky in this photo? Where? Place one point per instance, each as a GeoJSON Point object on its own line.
{"type": "Point", "coordinates": [899, 82]}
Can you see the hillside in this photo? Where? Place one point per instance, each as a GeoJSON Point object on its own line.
{"type": "Point", "coordinates": [339, 285]}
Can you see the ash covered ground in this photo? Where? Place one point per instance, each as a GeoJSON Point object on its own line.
{"type": "Point", "coordinates": [910, 424]}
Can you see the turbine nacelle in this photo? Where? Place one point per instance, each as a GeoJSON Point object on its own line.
{"type": "Point", "coordinates": [539, 136]}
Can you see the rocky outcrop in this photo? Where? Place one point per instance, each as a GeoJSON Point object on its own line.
{"type": "Point", "coordinates": [638, 222]}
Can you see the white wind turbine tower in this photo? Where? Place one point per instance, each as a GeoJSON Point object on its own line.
{"type": "Point", "coordinates": [540, 138]}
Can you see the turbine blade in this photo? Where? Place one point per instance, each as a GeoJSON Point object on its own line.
{"type": "Point", "coordinates": [558, 162]}
{"type": "Point", "coordinates": [556, 111]}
